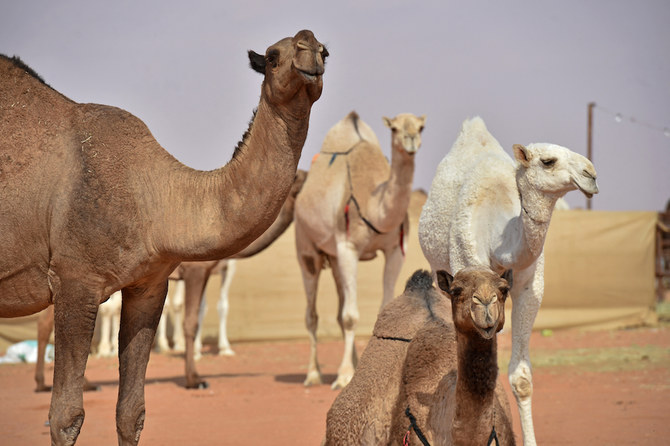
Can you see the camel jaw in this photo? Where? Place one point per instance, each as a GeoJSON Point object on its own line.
{"type": "Point", "coordinates": [589, 190]}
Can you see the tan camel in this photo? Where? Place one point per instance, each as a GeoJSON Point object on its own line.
{"type": "Point", "coordinates": [196, 274]}
{"type": "Point", "coordinates": [90, 204]}
{"type": "Point", "coordinates": [352, 205]}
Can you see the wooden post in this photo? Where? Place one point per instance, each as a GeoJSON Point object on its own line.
{"type": "Point", "coordinates": [589, 143]}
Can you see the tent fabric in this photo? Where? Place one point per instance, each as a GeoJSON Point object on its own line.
{"type": "Point", "coordinates": [599, 273]}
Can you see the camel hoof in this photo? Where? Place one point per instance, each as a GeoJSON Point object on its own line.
{"type": "Point", "coordinates": [226, 352]}
{"type": "Point", "coordinates": [43, 389]}
{"type": "Point", "coordinates": [341, 382]}
{"type": "Point", "coordinates": [200, 385]}
{"type": "Point", "coordinates": [313, 379]}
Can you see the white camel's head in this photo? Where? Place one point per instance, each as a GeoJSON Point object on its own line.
{"type": "Point", "coordinates": [555, 170]}
{"type": "Point", "coordinates": [406, 132]}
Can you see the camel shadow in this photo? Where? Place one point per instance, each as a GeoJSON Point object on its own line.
{"type": "Point", "coordinates": [299, 378]}
{"type": "Point", "coordinates": [178, 381]}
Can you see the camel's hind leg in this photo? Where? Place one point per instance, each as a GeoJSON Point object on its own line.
{"type": "Point", "coordinates": [311, 264]}
{"type": "Point", "coordinates": [524, 310]}
{"type": "Point", "coordinates": [140, 313]}
{"type": "Point", "coordinates": [394, 261]}
{"type": "Point", "coordinates": [345, 274]}
{"type": "Point", "coordinates": [45, 325]}
{"type": "Point", "coordinates": [227, 277]}
{"type": "Point", "coordinates": [75, 310]}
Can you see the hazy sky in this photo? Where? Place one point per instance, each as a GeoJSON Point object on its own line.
{"type": "Point", "coordinates": [527, 67]}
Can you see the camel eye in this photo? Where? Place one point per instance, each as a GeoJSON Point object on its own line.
{"type": "Point", "coordinates": [273, 58]}
{"type": "Point", "coordinates": [549, 162]}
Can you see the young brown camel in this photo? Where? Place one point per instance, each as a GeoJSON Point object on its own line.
{"type": "Point", "coordinates": [96, 205]}
{"type": "Point", "coordinates": [430, 365]}
{"type": "Point", "coordinates": [352, 205]}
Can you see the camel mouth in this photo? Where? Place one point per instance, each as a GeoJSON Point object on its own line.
{"type": "Point", "coordinates": [589, 193]}
{"type": "Point", "coordinates": [310, 77]}
{"type": "Point", "coordinates": [488, 332]}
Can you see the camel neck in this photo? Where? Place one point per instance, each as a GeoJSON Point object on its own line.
{"type": "Point", "coordinates": [218, 213]}
{"type": "Point", "coordinates": [391, 201]}
{"type": "Point", "coordinates": [475, 389]}
{"type": "Point", "coordinates": [535, 215]}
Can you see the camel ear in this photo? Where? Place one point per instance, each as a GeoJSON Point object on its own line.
{"type": "Point", "coordinates": [444, 280]}
{"type": "Point", "coordinates": [508, 276]}
{"type": "Point", "coordinates": [257, 62]}
{"type": "Point", "coordinates": [521, 154]}
{"type": "Point", "coordinates": [387, 122]}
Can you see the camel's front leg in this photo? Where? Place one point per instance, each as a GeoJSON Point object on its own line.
{"type": "Point", "coordinates": [195, 287]}
{"type": "Point", "coordinates": [345, 274]}
{"type": "Point", "coordinates": [45, 325]}
{"type": "Point", "coordinates": [140, 313]}
{"type": "Point", "coordinates": [75, 310]}
{"type": "Point", "coordinates": [178, 308]}
{"type": "Point", "coordinates": [524, 310]}
{"type": "Point", "coordinates": [311, 263]}
{"type": "Point", "coordinates": [226, 279]}
{"type": "Point", "coordinates": [394, 260]}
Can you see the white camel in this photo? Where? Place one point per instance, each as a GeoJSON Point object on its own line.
{"type": "Point", "coordinates": [485, 209]}
{"type": "Point", "coordinates": [109, 313]}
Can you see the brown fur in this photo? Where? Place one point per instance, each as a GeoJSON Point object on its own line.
{"type": "Point", "coordinates": [446, 375]}
{"type": "Point", "coordinates": [90, 204]}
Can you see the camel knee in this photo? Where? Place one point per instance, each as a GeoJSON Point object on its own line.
{"type": "Point", "coordinates": [65, 429]}
{"type": "Point", "coordinates": [522, 385]}
{"type": "Point", "coordinates": [311, 320]}
{"type": "Point", "coordinates": [349, 319]}
{"type": "Point", "coordinates": [129, 427]}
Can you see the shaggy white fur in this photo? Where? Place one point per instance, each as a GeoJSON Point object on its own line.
{"type": "Point", "coordinates": [485, 209]}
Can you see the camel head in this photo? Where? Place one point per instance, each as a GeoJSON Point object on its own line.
{"type": "Point", "coordinates": [406, 132]}
{"type": "Point", "coordinates": [477, 299]}
{"type": "Point", "coordinates": [554, 170]}
{"type": "Point", "coordinates": [293, 68]}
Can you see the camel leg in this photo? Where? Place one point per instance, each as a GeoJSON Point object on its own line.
{"type": "Point", "coordinates": [524, 310]}
{"type": "Point", "coordinates": [392, 267]}
{"type": "Point", "coordinates": [197, 344]}
{"type": "Point", "coordinates": [140, 313]}
{"type": "Point", "coordinates": [347, 266]}
{"type": "Point", "coordinates": [105, 346]}
{"type": "Point", "coordinates": [311, 264]}
{"type": "Point", "coordinates": [178, 309]}
{"type": "Point", "coordinates": [162, 344]}
{"type": "Point", "coordinates": [339, 285]}
{"type": "Point", "coordinates": [45, 325]}
{"type": "Point", "coordinates": [227, 278]}
{"type": "Point", "coordinates": [195, 283]}
{"type": "Point", "coordinates": [75, 311]}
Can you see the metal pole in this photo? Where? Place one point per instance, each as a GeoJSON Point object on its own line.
{"type": "Point", "coordinates": [589, 143]}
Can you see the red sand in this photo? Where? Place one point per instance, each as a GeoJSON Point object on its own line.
{"type": "Point", "coordinates": [590, 389]}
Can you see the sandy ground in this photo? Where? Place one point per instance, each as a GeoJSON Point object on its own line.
{"type": "Point", "coordinates": [590, 389]}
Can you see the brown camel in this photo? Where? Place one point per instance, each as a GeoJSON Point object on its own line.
{"type": "Point", "coordinates": [196, 274]}
{"type": "Point", "coordinates": [352, 205]}
{"type": "Point", "coordinates": [432, 358]}
{"type": "Point", "coordinates": [90, 203]}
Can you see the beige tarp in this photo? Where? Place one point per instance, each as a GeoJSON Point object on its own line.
{"type": "Point", "coordinates": [599, 274]}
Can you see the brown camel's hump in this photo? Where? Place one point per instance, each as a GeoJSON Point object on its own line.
{"type": "Point", "coordinates": [407, 313]}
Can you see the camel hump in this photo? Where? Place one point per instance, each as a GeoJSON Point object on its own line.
{"type": "Point", "coordinates": [475, 137]}
{"type": "Point", "coordinates": [348, 132]}
{"type": "Point", "coordinates": [421, 280]}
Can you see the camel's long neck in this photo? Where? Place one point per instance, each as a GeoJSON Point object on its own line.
{"type": "Point", "coordinates": [475, 390]}
{"type": "Point", "coordinates": [216, 214]}
{"type": "Point", "coordinates": [278, 227]}
{"type": "Point", "coordinates": [390, 201]}
{"type": "Point", "coordinates": [525, 244]}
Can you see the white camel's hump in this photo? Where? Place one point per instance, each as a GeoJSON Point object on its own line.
{"type": "Point", "coordinates": [348, 132]}
{"type": "Point", "coordinates": [474, 139]}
